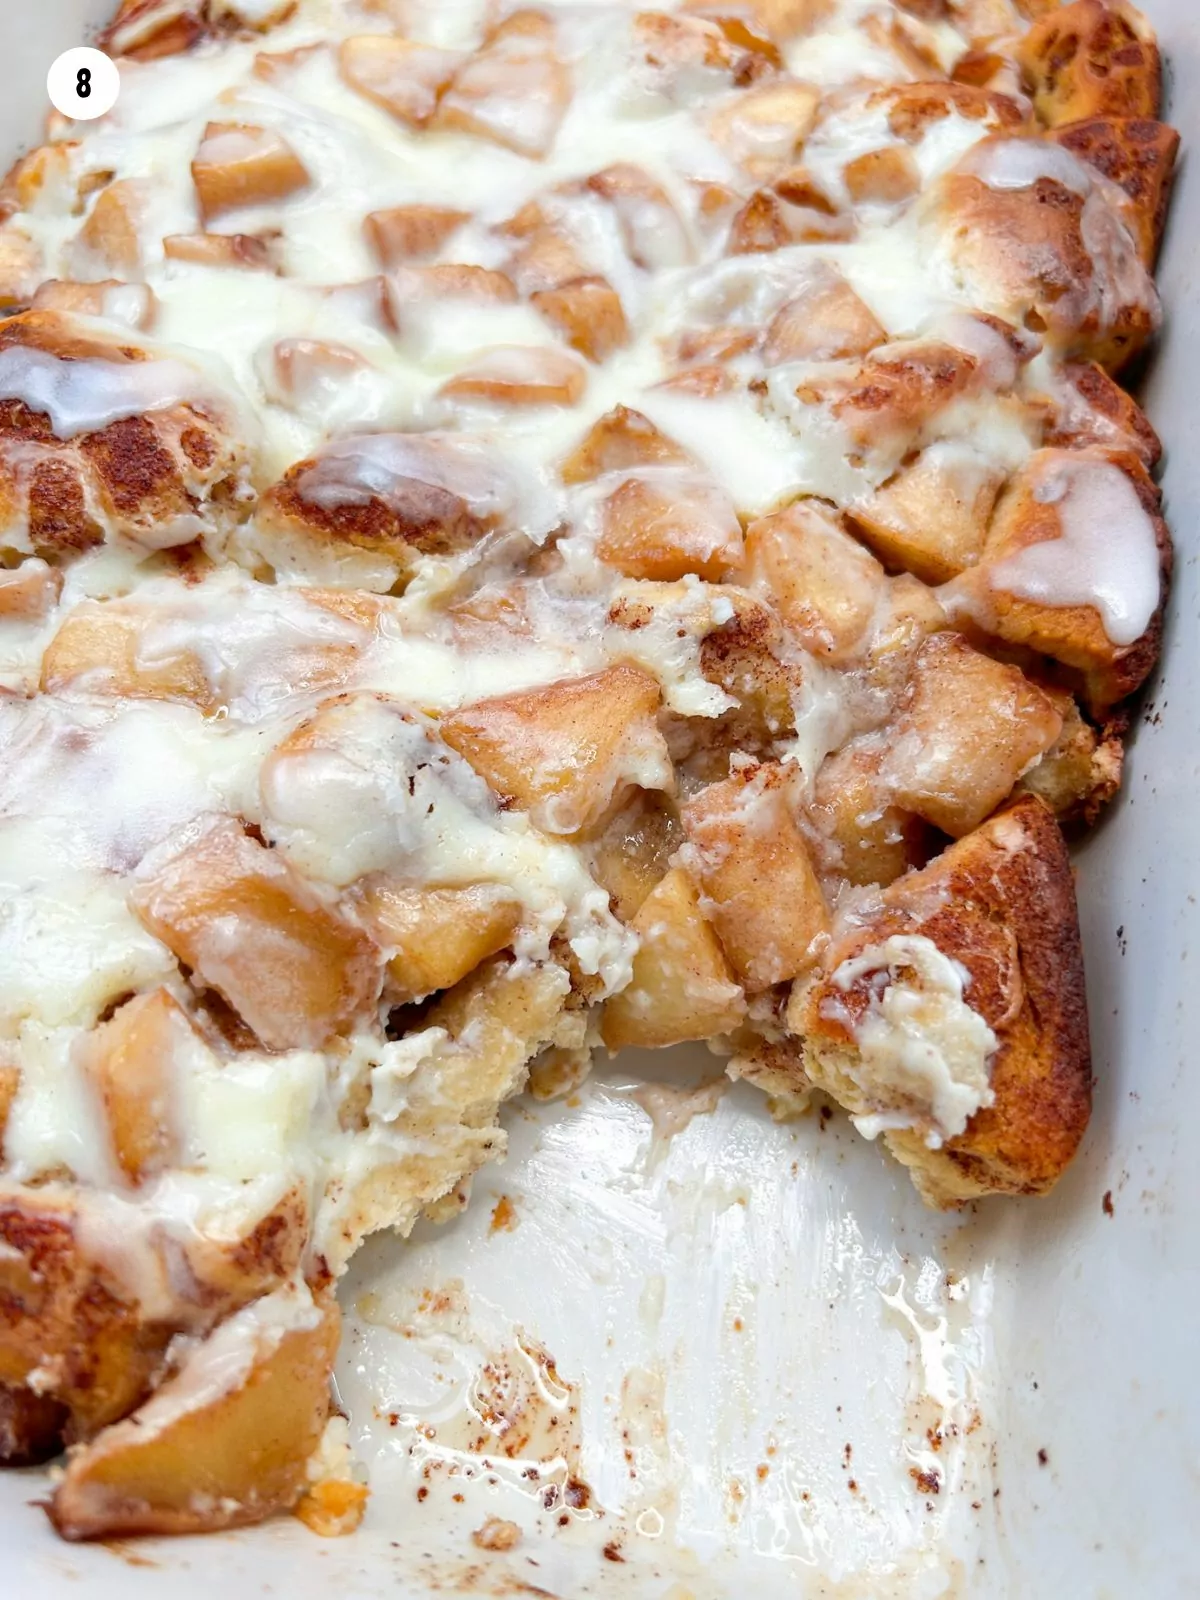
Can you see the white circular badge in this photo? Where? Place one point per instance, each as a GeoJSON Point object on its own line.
{"type": "Point", "coordinates": [83, 84]}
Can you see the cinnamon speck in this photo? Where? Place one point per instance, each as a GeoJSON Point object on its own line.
{"type": "Point", "coordinates": [131, 1557]}
{"type": "Point", "coordinates": [577, 1494]}
{"type": "Point", "coordinates": [926, 1482]}
{"type": "Point", "coordinates": [612, 1552]}
{"type": "Point", "coordinates": [1043, 1458]}
{"type": "Point", "coordinates": [762, 1471]}
{"type": "Point", "coordinates": [1106, 1205]}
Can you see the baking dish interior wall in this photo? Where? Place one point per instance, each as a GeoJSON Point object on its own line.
{"type": "Point", "coordinates": [1094, 1340]}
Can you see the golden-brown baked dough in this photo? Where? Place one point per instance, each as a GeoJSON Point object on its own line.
{"type": "Point", "coordinates": [1030, 253]}
{"type": "Point", "coordinates": [1072, 634]}
{"type": "Point", "coordinates": [1001, 903]}
{"type": "Point", "coordinates": [1092, 59]}
{"type": "Point", "coordinates": [1138, 155]}
{"type": "Point", "coordinates": [173, 467]}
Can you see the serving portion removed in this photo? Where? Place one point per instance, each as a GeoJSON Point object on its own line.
{"type": "Point", "coordinates": [528, 529]}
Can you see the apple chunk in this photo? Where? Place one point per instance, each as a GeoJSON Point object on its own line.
{"type": "Point", "coordinates": [289, 963]}
{"type": "Point", "coordinates": [401, 77]}
{"type": "Point", "coordinates": [239, 164]}
{"type": "Point", "coordinates": [973, 726]}
{"type": "Point", "coordinates": [97, 644]}
{"type": "Point", "coordinates": [747, 851]}
{"type": "Point", "coordinates": [567, 752]}
{"type": "Point", "coordinates": [666, 522]}
{"type": "Point", "coordinates": [222, 1443]}
{"type": "Point", "coordinates": [439, 934]}
{"type": "Point", "coordinates": [130, 1060]}
{"type": "Point", "coordinates": [683, 986]}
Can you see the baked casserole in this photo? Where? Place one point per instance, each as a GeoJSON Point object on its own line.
{"type": "Point", "coordinates": [528, 529]}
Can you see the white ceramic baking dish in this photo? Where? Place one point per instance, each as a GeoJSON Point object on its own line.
{"type": "Point", "coordinates": [762, 1331]}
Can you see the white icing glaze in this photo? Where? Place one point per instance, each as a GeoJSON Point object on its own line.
{"type": "Point", "coordinates": [383, 466]}
{"type": "Point", "coordinates": [1020, 163]}
{"type": "Point", "coordinates": [85, 396]}
{"type": "Point", "coordinates": [236, 144]}
{"type": "Point", "coordinates": [994, 352]}
{"type": "Point", "coordinates": [1106, 554]}
{"type": "Point", "coordinates": [129, 303]}
{"type": "Point", "coordinates": [924, 1053]}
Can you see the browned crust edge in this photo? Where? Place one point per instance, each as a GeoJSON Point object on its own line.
{"type": "Point", "coordinates": [1007, 884]}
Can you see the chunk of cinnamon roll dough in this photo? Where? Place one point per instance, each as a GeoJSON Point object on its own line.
{"type": "Point", "coordinates": [472, 1052]}
{"type": "Point", "coordinates": [1076, 567]}
{"type": "Point", "coordinates": [952, 1018]}
{"type": "Point", "coordinates": [366, 508]}
{"type": "Point", "coordinates": [1137, 155]}
{"type": "Point", "coordinates": [63, 1317]}
{"type": "Point", "coordinates": [102, 439]}
{"type": "Point", "coordinates": [1040, 239]}
{"type": "Point", "coordinates": [1092, 59]}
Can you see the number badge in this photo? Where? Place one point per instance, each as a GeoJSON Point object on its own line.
{"type": "Point", "coordinates": [83, 84]}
